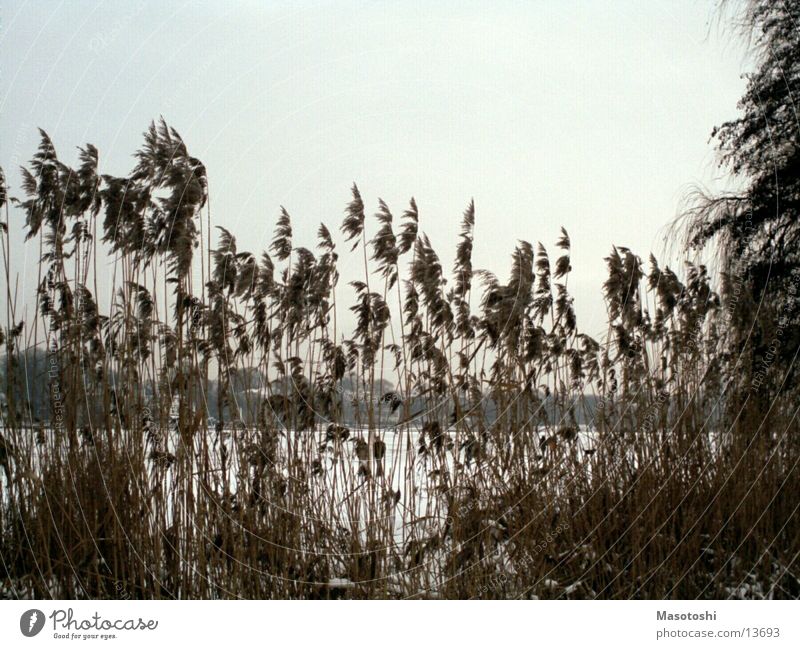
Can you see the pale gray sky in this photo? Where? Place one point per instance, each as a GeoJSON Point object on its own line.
{"type": "Point", "coordinates": [591, 115]}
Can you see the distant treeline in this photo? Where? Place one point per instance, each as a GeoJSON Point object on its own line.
{"type": "Point", "coordinates": [37, 388]}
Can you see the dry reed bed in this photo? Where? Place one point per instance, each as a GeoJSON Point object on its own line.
{"type": "Point", "coordinates": [474, 476]}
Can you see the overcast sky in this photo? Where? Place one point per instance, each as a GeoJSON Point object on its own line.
{"type": "Point", "coordinates": [591, 115]}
